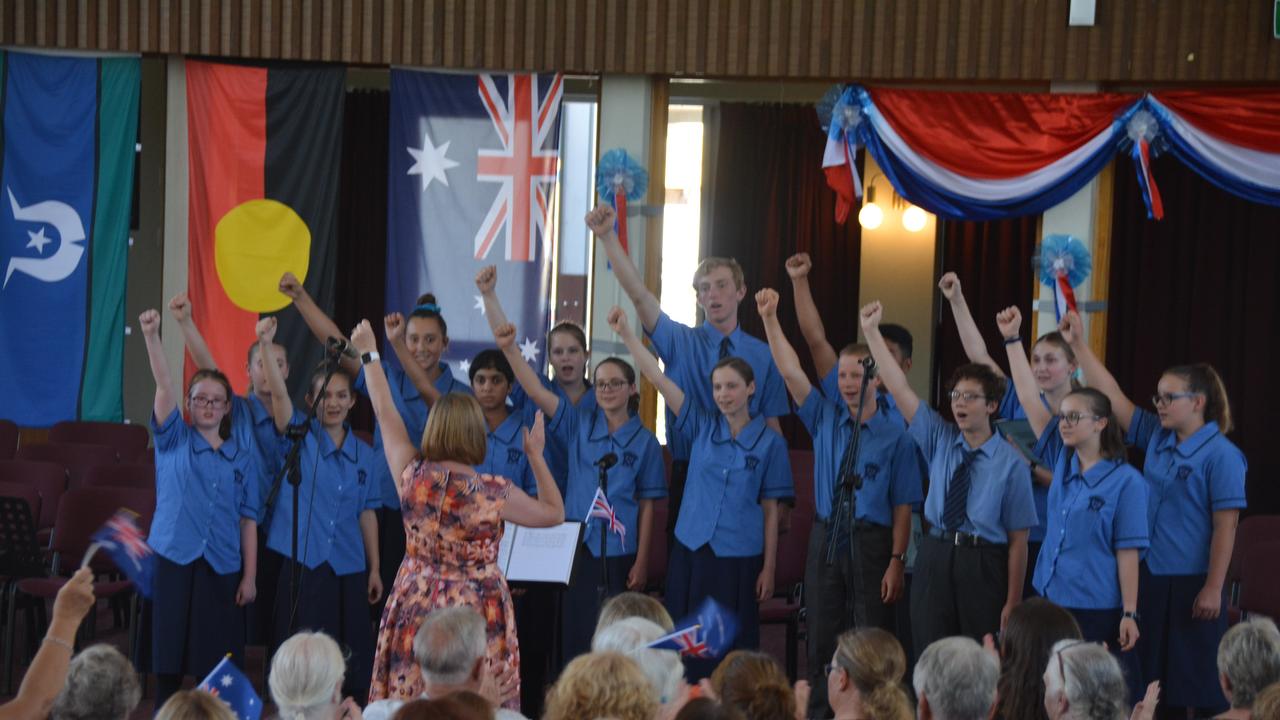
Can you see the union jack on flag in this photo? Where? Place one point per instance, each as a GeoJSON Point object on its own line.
{"type": "Point", "coordinates": [601, 509]}
{"type": "Point", "coordinates": [686, 641]}
{"type": "Point", "coordinates": [707, 634]}
{"type": "Point", "coordinates": [121, 538]}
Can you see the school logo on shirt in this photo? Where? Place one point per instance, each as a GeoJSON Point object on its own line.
{"type": "Point", "coordinates": [752, 462]}
{"type": "Point", "coordinates": [869, 472]}
{"type": "Point", "coordinates": [1096, 503]}
{"type": "Point", "coordinates": [1184, 472]}
{"type": "Point", "coordinates": [361, 476]}
{"type": "Point", "coordinates": [629, 459]}
{"type": "Point", "coordinates": [513, 456]}
{"type": "Point", "coordinates": [239, 477]}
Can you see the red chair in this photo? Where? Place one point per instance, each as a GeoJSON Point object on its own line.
{"type": "Point", "coordinates": [1253, 530]}
{"type": "Point", "coordinates": [77, 458]}
{"type": "Point", "coordinates": [659, 552]}
{"type": "Point", "coordinates": [802, 476]}
{"type": "Point", "coordinates": [1259, 584]}
{"type": "Point", "coordinates": [8, 439]}
{"type": "Point", "coordinates": [130, 475]}
{"type": "Point", "coordinates": [130, 441]}
{"type": "Point", "coordinates": [49, 480]}
{"type": "Point", "coordinates": [786, 607]}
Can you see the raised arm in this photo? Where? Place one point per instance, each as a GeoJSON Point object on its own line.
{"type": "Point", "coordinates": [646, 362]}
{"type": "Point", "coordinates": [547, 401]}
{"type": "Point", "coordinates": [547, 509]}
{"type": "Point", "coordinates": [281, 403]}
{"type": "Point", "coordinates": [784, 356]}
{"type": "Point", "coordinates": [1095, 373]}
{"type": "Point", "coordinates": [891, 376]}
{"type": "Point", "coordinates": [487, 284]}
{"type": "Point", "coordinates": [1009, 321]}
{"type": "Point", "coordinates": [180, 309]}
{"type": "Point", "coordinates": [394, 324]}
{"type": "Point", "coordinates": [815, 335]}
{"type": "Point", "coordinates": [166, 398]}
{"type": "Point", "coordinates": [601, 220]}
{"type": "Point", "coordinates": [322, 326]}
{"type": "Point", "coordinates": [970, 336]}
{"type": "Point", "coordinates": [47, 673]}
{"type": "Point", "coordinates": [399, 449]}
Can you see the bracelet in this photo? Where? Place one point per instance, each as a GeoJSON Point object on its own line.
{"type": "Point", "coordinates": [1012, 340]}
{"type": "Point", "coordinates": [59, 641]}
{"type": "Point", "coordinates": [1129, 614]}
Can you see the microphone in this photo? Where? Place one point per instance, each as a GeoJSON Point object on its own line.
{"type": "Point", "coordinates": [338, 346]}
{"type": "Point", "coordinates": [607, 461]}
{"type": "Point", "coordinates": [868, 365]}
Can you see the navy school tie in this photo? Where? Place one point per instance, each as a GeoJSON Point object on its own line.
{"type": "Point", "coordinates": [725, 348]}
{"type": "Point", "coordinates": [955, 504]}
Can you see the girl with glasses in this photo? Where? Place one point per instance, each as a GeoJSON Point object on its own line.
{"type": "Point", "coordinates": [1097, 513]}
{"type": "Point", "coordinates": [205, 530]}
{"type": "Point", "coordinates": [1196, 489]}
{"type": "Point", "coordinates": [726, 535]}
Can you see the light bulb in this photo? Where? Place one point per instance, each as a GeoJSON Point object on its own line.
{"type": "Point", "coordinates": [914, 219]}
{"type": "Point", "coordinates": [870, 216]}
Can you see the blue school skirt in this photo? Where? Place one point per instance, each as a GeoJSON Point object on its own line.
{"type": "Point", "coordinates": [1176, 649]}
{"type": "Point", "coordinates": [336, 605]}
{"type": "Point", "coordinates": [195, 621]}
{"type": "Point", "coordinates": [1103, 626]}
{"type": "Point", "coordinates": [695, 575]}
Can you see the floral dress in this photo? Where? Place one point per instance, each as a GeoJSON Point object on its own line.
{"type": "Point", "coordinates": [452, 525]}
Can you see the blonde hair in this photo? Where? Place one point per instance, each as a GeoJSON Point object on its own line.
{"type": "Point", "coordinates": [601, 685]}
{"type": "Point", "coordinates": [1267, 705]}
{"type": "Point", "coordinates": [306, 674]}
{"type": "Point", "coordinates": [875, 663]}
{"type": "Point", "coordinates": [634, 604]}
{"type": "Point", "coordinates": [706, 266]}
{"type": "Point", "coordinates": [455, 431]}
{"type": "Point", "coordinates": [195, 705]}
{"type": "Point", "coordinates": [754, 684]}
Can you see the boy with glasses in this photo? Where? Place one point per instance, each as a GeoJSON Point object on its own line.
{"type": "Point", "coordinates": [971, 565]}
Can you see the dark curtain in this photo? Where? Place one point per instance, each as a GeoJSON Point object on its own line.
{"type": "Point", "coordinates": [1199, 285]}
{"type": "Point", "coordinates": [362, 220]}
{"type": "Point", "coordinates": [767, 198]}
{"type": "Point", "coordinates": [994, 263]}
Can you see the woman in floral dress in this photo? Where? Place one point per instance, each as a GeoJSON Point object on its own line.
{"type": "Point", "coordinates": [453, 523]}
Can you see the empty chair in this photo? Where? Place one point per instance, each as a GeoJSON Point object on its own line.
{"type": "Point", "coordinates": [129, 475]}
{"type": "Point", "coordinates": [25, 492]}
{"type": "Point", "coordinates": [130, 441]}
{"type": "Point", "coordinates": [8, 439]}
{"type": "Point", "coordinates": [49, 479]}
{"type": "Point", "coordinates": [77, 458]}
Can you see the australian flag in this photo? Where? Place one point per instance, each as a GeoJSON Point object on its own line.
{"type": "Point", "coordinates": [229, 685]}
{"type": "Point", "coordinates": [121, 538]}
{"type": "Point", "coordinates": [473, 181]}
{"type": "Point", "coordinates": [707, 634]}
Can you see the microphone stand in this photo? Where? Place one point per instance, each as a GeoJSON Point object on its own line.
{"type": "Point", "coordinates": [292, 470]}
{"type": "Point", "coordinates": [849, 479]}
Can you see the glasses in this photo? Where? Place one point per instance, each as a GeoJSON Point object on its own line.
{"type": "Point", "coordinates": [201, 401]}
{"type": "Point", "coordinates": [966, 396]}
{"type": "Point", "coordinates": [1166, 398]}
{"type": "Point", "coordinates": [615, 384]}
{"type": "Point", "coordinates": [1061, 671]}
{"type": "Point", "coordinates": [1070, 419]}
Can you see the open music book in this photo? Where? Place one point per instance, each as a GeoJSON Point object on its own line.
{"type": "Point", "coordinates": [538, 554]}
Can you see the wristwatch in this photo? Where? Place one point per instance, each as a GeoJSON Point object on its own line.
{"type": "Point", "coordinates": [1130, 614]}
{"type": "Point", "coordinates": [901, 557]}
{"type": "Point", "coordinates": [369, 357]}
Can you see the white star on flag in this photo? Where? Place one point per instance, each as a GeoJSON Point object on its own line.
{"type": "Point", "coordinates": [38, 240]}
{"type": "Point", "coordinates": [529, 350]}
{"type": "Point", "coordinates": [479, 303]}
{"type": "Point", "coordinates": [465, 367]}
{"type": "Point", "coordinates": [226, 681]}
{"type": "Point", "coordinates": [431, 162]}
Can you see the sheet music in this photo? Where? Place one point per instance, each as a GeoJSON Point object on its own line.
{"type": "Point", "coordinates": [539, 554]}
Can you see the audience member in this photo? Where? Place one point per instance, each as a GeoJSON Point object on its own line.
{"type": "Point", "coordinates": [864, 679]}
{"type": "Point", "coordinates": [1267, 705]}
{"type": "Point", "coordinates": [463, 705]}
{"type": "Point", "coordinates": [1083, 681]}
{"type": "Point", "coordinates": [630, 636]}
{"type": "Point", "coordinates": [306, 679]}
{"type": "Point", "coordinates": [601, 685]}
{"type": "Point", "coordinates": [449, 648]}
{"type": "Point", "coordinates": [704, 708]}
{"type": "Point", "coordinates": [194, 705]}
{"type": "Point", "coordinates": [48, 670]}
{"type": "Point", "coordinates": [101, 685]}
{"type": "Point", "coordinates": [634, 604]}
{"type": "Point", "coordinates": [1248, 662]}
{"type": "Point", "coordinates": [754, 684]}
{"type": "Point", "coordinates": [955, 679]}
{"type": "Point", "coordinates": [1025, 645]}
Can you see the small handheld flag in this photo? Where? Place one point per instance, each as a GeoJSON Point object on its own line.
{"type": "Point", "coordinates": [121, 538]}
{"type": "Point", "coordinates": [601, 509]}
{"type": "Point", "coordinates": [708, 634]}
{"type": "Point", "coordinates": [227, 683]}
{"type": "Point", "coordinates": [620, 178]}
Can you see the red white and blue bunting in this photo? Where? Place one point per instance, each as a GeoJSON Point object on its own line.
{"type": "Point", "coordinates": [985, 156]}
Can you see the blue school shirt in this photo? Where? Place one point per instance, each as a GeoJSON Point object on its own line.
{"type": "Point", "coordinates": [413, 411]}
{"type": "Point", "coordinates": [201, 495]}
{"type": "Point", "coordinates": [1186, 483]}
{"type": "Point", "coordinates": [257, 431]}
{"type": "Point", "coordinates": [1000, 487]}
{"type": "Point", "coordinates": [728, 479]}
{"type": "Point", "coordinates": [691, 353]}
{"type": "Point", "coordinates": [1091, 516]}
{"type": "Point", "coordinates": [892, 468]}
{"type": "Point", "coordinates": [504, 452]}
{"type": "Point", "coordinates": [555, 454]}
{"type": "Point", "coordinates": [337, 485]}
{"type": "Point", "coordinates": [885, 403]}
{"type": "Point", "coordinates": [638, 475]}
{"type": "Point", "coordinates": [1011, 409]}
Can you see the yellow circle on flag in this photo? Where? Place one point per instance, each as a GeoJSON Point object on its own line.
{"type": "Point", "coordinates": [256, 243]}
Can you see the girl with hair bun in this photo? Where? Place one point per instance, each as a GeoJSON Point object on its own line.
{"type": "Point", "coordinates": [752, 683]}
{"type": "Point", "coordinates": [864, 679]}
{"type": "Point", "coordinates": [1097, 513]}
{"type": "Point", "coordinates": [1196, 490]}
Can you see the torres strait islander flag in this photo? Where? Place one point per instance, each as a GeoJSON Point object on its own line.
{"type": "Point", "coordinates": [264, 148]}
{"type": "Point", "coordinates": [70, 128]}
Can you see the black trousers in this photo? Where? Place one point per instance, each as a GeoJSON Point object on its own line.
{"type": "Point", "coordinates": [957, 590]}
{"type": "Point", "coordinates": [842, 595]}
{"type": "Point", "coordinates": [391, 548]}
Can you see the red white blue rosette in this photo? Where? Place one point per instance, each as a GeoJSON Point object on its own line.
{"type": "Point", "coordinates": [619, 178]}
